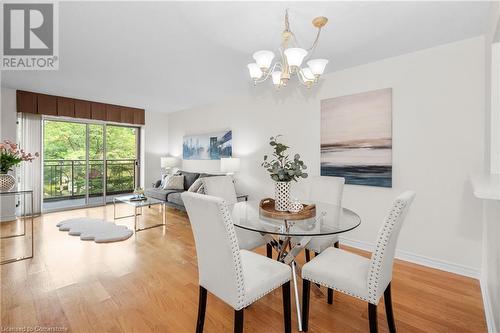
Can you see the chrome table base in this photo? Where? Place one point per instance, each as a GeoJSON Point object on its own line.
{"type": "Point", "coordinates": [288, 257]}
{"type": "Point", "coordinates": [138, 212]}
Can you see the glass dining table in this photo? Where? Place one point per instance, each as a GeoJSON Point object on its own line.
{"type": "Point", "coordinates": [289, 237]}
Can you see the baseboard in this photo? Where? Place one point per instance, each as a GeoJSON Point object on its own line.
{"type": "Point", "coordinates": [488, 311]}
{"type": "Point", "coordinates": [418, 259]}
{"type": "Point", "coordinates": [7, 218]}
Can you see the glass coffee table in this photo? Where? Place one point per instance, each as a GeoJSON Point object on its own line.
{"type": "Point", "coordinates": [138, 205]}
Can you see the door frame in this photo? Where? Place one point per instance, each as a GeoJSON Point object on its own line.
{"type": "Point", "coordinates": [88, 122]}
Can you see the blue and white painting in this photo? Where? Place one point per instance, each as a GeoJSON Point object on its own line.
{"type": "Point", "coordinates": [356, 138]}
{"type": "Point", "coordinates": [210, 146]}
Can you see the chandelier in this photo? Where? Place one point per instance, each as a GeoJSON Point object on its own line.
{"type": "Point", "coordinates": [291, 57]}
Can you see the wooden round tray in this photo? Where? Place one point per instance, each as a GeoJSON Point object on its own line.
{"type": "Point", "coordinates": [266, 208]}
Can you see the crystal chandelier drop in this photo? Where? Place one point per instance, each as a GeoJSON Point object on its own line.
{"type": "Point", "coordinates": [291, 59]}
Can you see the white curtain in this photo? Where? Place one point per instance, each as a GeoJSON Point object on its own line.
{"type": "Point", "coordinates": [30, 136]}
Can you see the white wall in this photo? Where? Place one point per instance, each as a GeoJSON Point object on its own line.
{"type": "Point", "coordinates": [492, 86]}
{"type": "Point", "coordinates": [490, 275]}
{"type": "Point", "coordinates": [155, 141]}
{"type": "Point", "coordinates": [438, 124]}
{"type": "Point", "coordinates": [490, 279]}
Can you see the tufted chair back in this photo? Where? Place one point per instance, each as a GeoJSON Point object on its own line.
{"type": "Point", "coordinates": [380, 271]}
{"type": "Point", "coordinates": [326, 189]}
{"type": "Point", "coordinates": [219, 261]}
{"type": "Point", "coordinates": [222, 187]}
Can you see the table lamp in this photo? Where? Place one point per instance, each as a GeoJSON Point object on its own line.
{"type": "Point", "coordinates": [168, 163]}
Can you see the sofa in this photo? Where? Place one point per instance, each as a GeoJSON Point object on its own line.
{"type": "Point", "coordinates": [173, 198]}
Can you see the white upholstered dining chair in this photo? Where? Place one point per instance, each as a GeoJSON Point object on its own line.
{"type": "Point", "coordinates": [238, 277]}
{"type": "Point", "coordinates": [328, 190]}
{"type": "Point", "coordinates": [223, 187]}
{"type": "Point", "coordinates": [354, 275]}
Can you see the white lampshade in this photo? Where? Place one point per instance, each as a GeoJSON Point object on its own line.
{"type": "Point", "coordinates": [307, 74]}
{"type": "Point", "coordinates": [255, 71]}
{"type": "Point", "coordinates": [229, 165]}
{"type": "Point", "coordinates": [169, 162]}
{"type": "Point", "coordinates": [276, 77]}
{"type": "Point", "coordinates": [264, 58]}
{"type": "Point", "coordinates": [317, 66]}
{"type": "Point", "coordinates": [295, 55]}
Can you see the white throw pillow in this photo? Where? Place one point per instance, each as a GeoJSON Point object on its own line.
{"type": "Point", "coordinates": [163, 180]}
{"type": "Point", "coordinates": [174, 182]}
{"type": "Point", "coordinates": [201, 189]}
{"type": "Point", "coordinates": [196, 185]}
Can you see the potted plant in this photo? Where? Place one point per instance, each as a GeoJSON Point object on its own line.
{"type": "Point", "coordinates": [283, 170]}
{"type": "Point", "coordinates": [11, 156]}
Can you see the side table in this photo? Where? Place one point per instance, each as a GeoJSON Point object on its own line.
{"type": "Point", "coordinates": [22, 193]}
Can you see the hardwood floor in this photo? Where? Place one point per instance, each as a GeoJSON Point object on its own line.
{"type": "Point", "coordinates": [150, 283]}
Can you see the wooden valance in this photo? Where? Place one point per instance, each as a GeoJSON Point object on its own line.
{"type": "Point", "coordinates": [30, 102]}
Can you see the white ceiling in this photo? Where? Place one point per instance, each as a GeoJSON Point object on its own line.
{"type": "Point", "coordinates": [169, 56]}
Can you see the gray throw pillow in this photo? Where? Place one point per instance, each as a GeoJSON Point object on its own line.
{"type": "Point", "coordinates": [189, 178]}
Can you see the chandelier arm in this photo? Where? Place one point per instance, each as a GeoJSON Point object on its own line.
{"type": "Point", "coordinates": [312, 47]}
{"type": "Point", "coordinates": [310, 51]}
{"type": "Point", "coordinates": [315, 43]}
{"type": "Point", "coordinates": [267, 74]}
{"type": "Point", "coordinates": [300, 75]}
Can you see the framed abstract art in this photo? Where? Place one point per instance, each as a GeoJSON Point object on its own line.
{"type": "Point", "coordinates": [356, 138]}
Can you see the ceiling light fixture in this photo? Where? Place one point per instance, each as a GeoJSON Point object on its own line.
{"type": "Point", "coordinates": [291, 60]}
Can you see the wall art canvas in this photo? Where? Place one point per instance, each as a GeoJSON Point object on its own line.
{"type": "Point", "coordinates": [210, 146]}
{"type": "Point", "coordinates": [356, 138]}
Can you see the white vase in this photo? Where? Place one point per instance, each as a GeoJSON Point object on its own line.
{"type": "Point", "coordinates": [7, 182]}
{"type": "Point", "coordinates": [295, 206]}
{"type": "Point", "coordinates": [282, 196]}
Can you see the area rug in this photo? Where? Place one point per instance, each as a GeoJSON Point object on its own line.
{"type": "Point", "coordinates": [97, 230]}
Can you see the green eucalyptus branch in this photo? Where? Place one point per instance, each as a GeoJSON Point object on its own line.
{"type": "Point", "coordinates": [281, 168]}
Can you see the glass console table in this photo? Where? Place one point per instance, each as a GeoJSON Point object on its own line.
{"type": "Point", "coordinates": [16, 194]}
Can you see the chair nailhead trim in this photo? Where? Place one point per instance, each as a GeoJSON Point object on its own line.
{"type": "Point", "coordinates": [235, 249]}
{"type": "Point", "coordinates": [335, 288]}
{"type": "Point", "coordinates": [378, 255]}
{"type": "Point", "coordinates": [253, 300]}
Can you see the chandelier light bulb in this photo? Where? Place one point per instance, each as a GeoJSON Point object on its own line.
{"type": "Point", "coordinates": [276, 78]}
{"type": "Point", "coordinates": [255, 72]}
{"type": "Point", "coordinates": [317, 66]}
{"type": "Point", "coordinates": [264, 58]}
{"type": "Point", "coordinates": [295, 56]}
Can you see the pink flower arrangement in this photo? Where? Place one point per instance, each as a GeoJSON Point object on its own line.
{"type": "Point", "coordinates": [11, 155]}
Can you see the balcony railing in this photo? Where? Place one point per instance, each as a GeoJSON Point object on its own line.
{"type": "Point", "coordinates": [66, 179]}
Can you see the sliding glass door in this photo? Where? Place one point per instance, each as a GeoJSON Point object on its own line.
{"type": "Point", "coordinates": [96, 165]}
{"type": "Point", "coordinates": [64, 167]}
{"type": "Point", "coordinates": [86, 164]}
{"type": "Point", "coordinates": [121, 160]}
